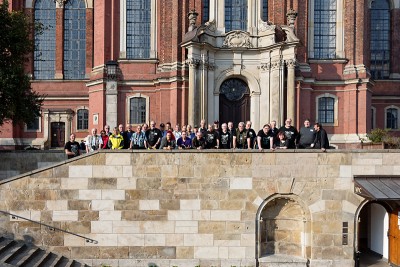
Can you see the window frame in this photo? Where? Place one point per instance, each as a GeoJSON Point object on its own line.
{"type": "Point", "coordinates": [128, 101]}
{"type": "Point", "coordinates": [339, 42]}
{"type": "Point", "coordinates": [335, 109]}
{"type": "Point", "coordinates": [78, 120]}
{"type": "Point", "coordinates": [244, 20]}
{"type": "Point", "coordinates": [49, 40]}
{"type": "Point", "coordinates": [38, 130]}
{"type": "Point", "coordinates": [79, 61]}
{"type": "Point", "coordinates": [397, 119]}
{"type": "Point", "coordinates": [123, 32]}
{"type": "Point", "coordinates": [381, 40]}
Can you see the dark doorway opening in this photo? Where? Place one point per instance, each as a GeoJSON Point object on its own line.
{"type": "Point", "coordinates": [57, 134]}
{"type": "Point", "coordinates": [234, 101]}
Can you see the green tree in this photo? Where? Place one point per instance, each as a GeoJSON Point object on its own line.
{"type": "Point", "coordinates": [18, 102]}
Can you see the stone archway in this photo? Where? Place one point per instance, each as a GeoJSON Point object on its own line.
{"type": "Point", "coordinates": [283, 229]}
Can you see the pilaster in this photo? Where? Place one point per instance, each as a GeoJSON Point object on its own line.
{"type": "Point", "coordinates": [291, 93]}
{"type": "Point", "coordinates": [59, 40]}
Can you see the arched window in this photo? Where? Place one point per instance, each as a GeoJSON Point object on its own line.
{"type": "Point", "coordinates": [44, 56]}
{"type": "Point", "coordinates": [235, 15]}
{"type": "Point", "coordinates": [82, 119]}
{"type": "Point", "coordinates": [392, 118]}
{"type": "Point", "coordinates": [325, 29]}
{"type": "Point", "coordinates": [265, 10]}
{"type": "Point", "coordinates": [137, 110]}
{"type": "Point", "coordinates": [380, 39]}
{"type": "Point", "coordinates": [206, 11]}
{"type": "Point", "coordinates": [74, 39]}
{"type": "Point", "coordinates": [326, 110]}
{"type": "Point", "coordinates": [138, 29]}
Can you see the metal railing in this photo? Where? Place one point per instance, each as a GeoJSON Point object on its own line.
{"type": "Point", "coordinates": [50, 227]}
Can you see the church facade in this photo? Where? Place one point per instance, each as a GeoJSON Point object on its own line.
{"type": "Point", "coordinates": [131, 61]}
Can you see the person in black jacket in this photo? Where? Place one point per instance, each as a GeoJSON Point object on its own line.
{"type": "Point", "coordinates": [321, 138]}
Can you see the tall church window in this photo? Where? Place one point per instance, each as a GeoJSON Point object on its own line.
{"type": "Point", "coordinates": [380, 39]}
{"type": "Point", "coordinates": [205, 10]}
{"type": "Point", "coordinates": [138, 26]}
{"type": "Point", "coordinates": [82, 119]}
{"type": "Point", "coordinates": [44, 56]}
{"type": "Point", "coordinates": [325, 29]}
{"type": "Point", "coordinates": [265, 10]}
{"type": "Point", "coordinates": [392, 118]}
{"type": "Point", "coordinates": [74, 39]}
{"type": "Point", "coordinates": [137, 110]}
{"type": "Point", "coordinates": [235, 15]}
{"type": "Point", "coordinates": [326, 110]}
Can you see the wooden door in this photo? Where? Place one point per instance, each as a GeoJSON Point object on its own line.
{"type": "Point", "coordinates": [57, 134]}
{"type": "Point", "coordinates": [394, 238]}
{"type": "Point", "coordinates": [234, 102]}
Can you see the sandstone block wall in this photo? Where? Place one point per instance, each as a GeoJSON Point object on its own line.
{"type": "Point", "coordinates": [193, 208]}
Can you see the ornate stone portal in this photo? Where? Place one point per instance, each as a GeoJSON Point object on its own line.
{"type": "Point", "coordinates": [264, 62]}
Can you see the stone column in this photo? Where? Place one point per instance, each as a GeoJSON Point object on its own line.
{"type": "Point", "coordinates": [204, 89]}
{"type": "Point", "coordinates": [274, 108]}
{"type": "Point", "coordinates": [193, 98]}
{"type": "Point", "coordinates": [59, 74]}
{"type": "Point", "coordinates": [265, 94]}
{"type": "Point", "coordinates": [291, 93]}
{"type": "Point", "coordinates": [112, 103]}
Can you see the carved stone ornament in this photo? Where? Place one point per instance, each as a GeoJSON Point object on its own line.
{"type": "Point", "coordinates": [291, 63]}
{"type": "Point", "coordinates": [237, 39]}
{"type": "Point", "coordinates": [193, 62]}
{"type": "Point", "coordinates": [211, 26]}
{"type": "Point", "coordinates": [264, 26]}
{"type": "Point", "coordinates": [290, 35]}
{"type": "Point", "coordinates": [265, 66]}
{"type": "Point", "coordinates": [276, 64]}
{"type": "Point", "coordinates": [60, 3]}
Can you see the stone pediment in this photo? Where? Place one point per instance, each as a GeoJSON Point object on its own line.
{"type": "Point", "coordinates": [235, 39]}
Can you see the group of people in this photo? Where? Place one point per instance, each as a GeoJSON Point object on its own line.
{"type": "Point", "coordinates": [210, 136]}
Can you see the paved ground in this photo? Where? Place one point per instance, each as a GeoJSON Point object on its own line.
{"type": "Point", "coordinates": [371, 260]}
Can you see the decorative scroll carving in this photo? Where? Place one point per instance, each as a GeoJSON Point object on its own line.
{"type": "Point", "coordinates": [276, 64]}
{"type": "Point", "coordinates": [291, 17]}
{"type": "Point", "coordinates": [265, 66]}
{"type": "Point", "coordinates": [264, 26]}
{"type": "Point", "coordinates": [237, 39]}
{"type": "Point", "coordinates": [211, 26]}
{"type": "Point", "coordinates": [234, 89]}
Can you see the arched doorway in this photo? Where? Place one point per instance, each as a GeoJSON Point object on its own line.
{"type": "Point", "coordinates": [377, 234]}
{"type": "Point", "coordinates": [234, 101]}
{"type": "Point", "coordinates": [283, 230]}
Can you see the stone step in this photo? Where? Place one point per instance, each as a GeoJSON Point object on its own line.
{"type": "Point", "coordinates": [19, 261]}
{"type": "Point", "coordinates": [15, 252]}
{"type": "Point", "coordinates": [278, 260]}
{"type": "Point", "coordinates": [18, 253]}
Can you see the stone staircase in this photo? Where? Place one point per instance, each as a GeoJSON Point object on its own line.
{"type": "Point", "coordinates": [18, 253]}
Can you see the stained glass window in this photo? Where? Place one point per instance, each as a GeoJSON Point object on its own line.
{"type": "Point", "coordinates": [235, 15]}
{"type": "Point", "coordinates": [325, 29]}
{"type": "Point", "coordinates": [44, 56]}
{"type": "Point", "coordinates": [138, 25]}
{"type": "Point", "coordinates": [380, 39]}
{"type": "Point", "coordinates": [74, 39]}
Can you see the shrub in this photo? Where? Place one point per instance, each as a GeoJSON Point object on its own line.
{"type": "Point", "coordinates": [378, 135]}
